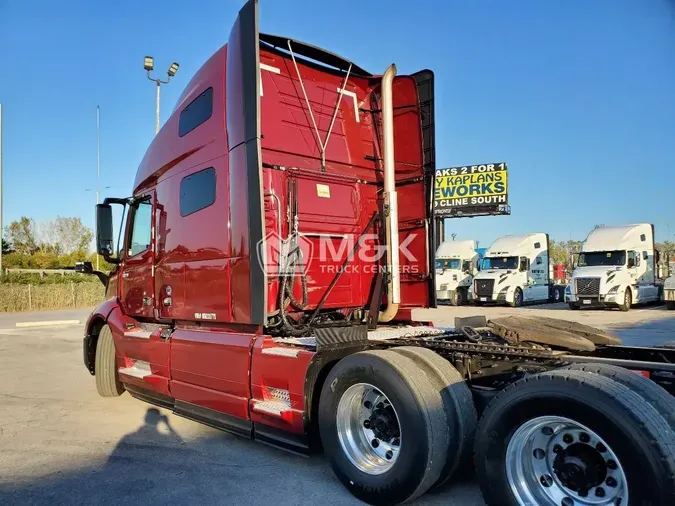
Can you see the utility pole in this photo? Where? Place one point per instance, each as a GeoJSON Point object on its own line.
{"type": "Point", "coordinates": [0, 188]}
{"type": "Point", "coordinates": [98, 165]}
{"type": "Point", "coordinates": [149, 65]}
{"type": "Point", "coordinates": [98, 188]}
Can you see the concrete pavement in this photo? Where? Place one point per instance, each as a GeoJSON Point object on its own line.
{"type": "Point", "coordinates": [62, 444]}
{"type": "Point", "coordinates": [9, 320]}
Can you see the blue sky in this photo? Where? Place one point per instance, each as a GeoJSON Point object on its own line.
{"type": "Point", "coordinates": [578, 97]}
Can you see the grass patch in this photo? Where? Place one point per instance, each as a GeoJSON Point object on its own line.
{"type": "Point", "coordinates": [15, 297]}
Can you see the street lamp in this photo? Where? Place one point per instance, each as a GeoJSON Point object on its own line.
{"type": "Point", "coordinates": [149, 65]}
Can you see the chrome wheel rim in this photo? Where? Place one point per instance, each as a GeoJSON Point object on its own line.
{"type": "Point", "coordinates": [555, 461]}
{"type": "Point", "coordinates": [368, 429]}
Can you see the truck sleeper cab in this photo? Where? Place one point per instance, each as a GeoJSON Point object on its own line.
{"type": "Point", "coordinates": [274, 146]}
{"type": "Point", "coordinates": [516, 270]}
{"type": "Point", "coordinates": [457, 262]}
{"type": "Point", "coordinates": [616, 268]}
{"type": "Point", "coordinates": [265, 279]}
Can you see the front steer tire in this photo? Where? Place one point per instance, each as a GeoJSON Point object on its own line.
{"type": "Point", "coordinates": [107, 378]}
{"type": "Point", "coordinates": [639, 436]}
{"type": "Point", "coordinates": [418, 406]}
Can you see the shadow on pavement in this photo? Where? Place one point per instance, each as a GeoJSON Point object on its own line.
{"type": "Point", "coordinates": [155, 465]}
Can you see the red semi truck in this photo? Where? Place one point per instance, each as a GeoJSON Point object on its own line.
{"type": "Point", "coordinates": [279, 235]}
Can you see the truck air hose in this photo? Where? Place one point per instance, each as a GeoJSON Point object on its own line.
{"type": "Point", "coordinates": [286, 296]}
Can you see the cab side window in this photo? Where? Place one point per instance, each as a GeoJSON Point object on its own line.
{"type": "Point", "coordinates": [141, 228]}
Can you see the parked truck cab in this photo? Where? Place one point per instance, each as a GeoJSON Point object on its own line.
{"type": "Point", "coordinates": [616, 268]}
{"type": "Point", "coordinates": [457, 262]}
{"type": "Point", "coordinates": [265, 279]}
{"type": "Point", "coordinates": [515, 270]}
{"type": "Point", "coordinates": [669, 292]}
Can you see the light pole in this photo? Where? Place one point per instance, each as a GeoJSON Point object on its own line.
{"type": "Point", "coordinates": [0, 188]}
{"type": "Point", "coordinates": [98, 167]}
{"type": "Point", "coordinates": [149, 65]}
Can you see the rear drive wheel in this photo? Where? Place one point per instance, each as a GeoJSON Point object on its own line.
{"type": "Point", "coordinates": [570, 437]}
{"type": "Point", "coordinates": [105, 368]}
{"type": "Point", "coordinates": [627, 300]}
{"type": "Point", "coordinates": [650, 391]}
{"type": "Point", "coordinates": [383, 427]}
{"type": "Point", "coordinates": [458, 297]}
{"type": "Point", "coordinates": [461, 416]}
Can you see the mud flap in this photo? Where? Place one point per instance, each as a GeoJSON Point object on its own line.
{"type": "Point", "coordinates": [518, 329]}
{"type": "Point", "coordinates": [548, 331]}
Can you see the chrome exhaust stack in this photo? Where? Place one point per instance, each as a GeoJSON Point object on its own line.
{"type": "Point", "coordinates": [390, 199]}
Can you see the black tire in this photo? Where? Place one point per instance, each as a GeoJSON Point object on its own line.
{"type": "Point", "coordinates": [453, 298]}
{"type": "Point", "coordinates": [670, 305]}
{"type": "Point", "coordinates": [459, 298]}
{"type": "Point", "coordinates": [517, 298]}
{"type": "Point", "coordinates": [650, 391]}
{"type": "Point", "coordinates": [107, 378]}
{"type": "Point", "coordinates": [640, 437]}
{"type": "Point", "coordinates": [627, 300]}
{"type": "Point", "coordinates": [461, 415]}
{"type": "Point", "coordinates": [573, 306]}
{"type": "Point", "coordinates": [419, 408]}
{"type": "Point", "coordinates": [556, 295]}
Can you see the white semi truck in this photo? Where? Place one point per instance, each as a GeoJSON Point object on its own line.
{"type": "Point", "coordinates": [615, 268]}
{"type": "Point", "coordinates": [669, 292]}
{"type": "Point", "coordinates": [457, 262]}
{"type": "Point", "coordinates": [516, 270]}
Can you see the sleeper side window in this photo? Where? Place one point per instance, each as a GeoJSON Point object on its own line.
{"type": "Point", "coordinates": [141, 228]}
{"type": "Point", "coordinates": [197, 191]}
{"type": "Point", "coordinates": [196, 112]}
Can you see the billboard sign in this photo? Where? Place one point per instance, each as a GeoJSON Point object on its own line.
{"type": "Point", "coordinates": [471, 190]}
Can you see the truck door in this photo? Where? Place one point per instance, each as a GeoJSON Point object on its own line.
{"type": "Point", "coordinates": [137, 283]}
{"type": "Point", "coordinates": [145, 353]}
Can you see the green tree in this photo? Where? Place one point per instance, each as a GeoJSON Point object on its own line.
{"type": "Point", "coordinates": [66, 236]}
{"type": "Point", "coordinates": [557, 252]}
{"type": "Point", "coordinates": [23, 235]}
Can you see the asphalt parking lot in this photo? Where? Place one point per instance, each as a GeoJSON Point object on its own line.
{"type": "Point", "coordinates": [62, 444]}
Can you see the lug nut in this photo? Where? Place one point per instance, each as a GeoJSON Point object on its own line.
{"type": "Point", "coordinates": [611, 465]}
{"type": "Point", "coordinates": [600, 492]}
{"type": "Point", "coordinates": [389, 455]}
{"type": "Point", "coordinates": [568, 438]}
{"type": "Point", "coordinates": [539, 454]}
{"type": "Point", "coordinates": [546, 480]}
{"type": "Point", "coordinates": [375, 443]}
{"type": "Point", "coordinates": [567, 501]}
{"type": "Point", "coordinates": [601, 448]}
{"type": "Point", "coordinates": [584, 438]}
{"type": "Point", "coordinates": [557, 449]}
{"type": "Point", "coordinates": [366, 424]}
{"type": "Point", "coordinates": [610, 482]}
{"type": "Point", "coordinates": [547, 431]}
